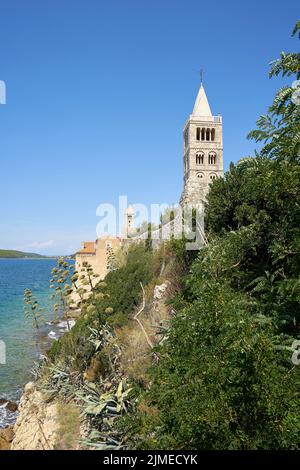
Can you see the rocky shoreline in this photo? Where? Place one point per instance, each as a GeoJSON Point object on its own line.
{"type": "Point", "coordinates": [36, 423]}
{"type": "Point", "coordinates": [8, 408]}
{"type": "Point", "coordinates": [47, 422]}
{"type": "Point", "coordinates": [9, 405]}
{"type": "Point", "coordinates": [13, 410]}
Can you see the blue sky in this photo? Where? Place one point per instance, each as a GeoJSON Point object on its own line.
{"type": "Point", "coordinates": [97, 95]}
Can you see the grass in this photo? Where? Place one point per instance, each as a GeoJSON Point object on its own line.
{"type": "Point", "coordinates": [68, 433]}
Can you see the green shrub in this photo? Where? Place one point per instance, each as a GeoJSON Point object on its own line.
{"type": "Point", "coordinates": [112, 301]}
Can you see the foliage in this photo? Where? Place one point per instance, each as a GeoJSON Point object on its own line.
{"type": "Point", "coordinates": [261, 195]}
{"type": "Point", "coordinates": [105, 408]}
{"type": "Point", "coordinates": [32, 310]}
{"type": "Point", "coordinates": [219, 383]}
{"type": "Point", "coordinates": [259, 201]}
{"type": "Point", "coordinates": [110, 301]}
{"type": "Point", "coordinates": [223, 376]}
{"type": "Point", "coordinates": [75, 390]}
{"type": "Point", "coordinates": [225, 379]}
{"type": "Point", "coordinates": [59, 282]}
{"type": "Point", "coordinates": [279, 129]}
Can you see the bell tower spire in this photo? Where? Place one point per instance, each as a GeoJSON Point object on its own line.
{"type": "Point", "coordinates": [202, 150]}
{"type": "Point", "coordinates": [201, 106]}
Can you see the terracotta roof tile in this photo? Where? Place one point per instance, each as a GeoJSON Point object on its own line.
{"type": "Point", "coordinates": [88, 248]}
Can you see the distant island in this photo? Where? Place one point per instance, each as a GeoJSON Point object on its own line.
{"type": "Point", "coordinates": [19, 254]}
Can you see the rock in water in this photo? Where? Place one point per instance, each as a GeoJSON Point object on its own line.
{"type": "Point", "coordinates": [10, 405]}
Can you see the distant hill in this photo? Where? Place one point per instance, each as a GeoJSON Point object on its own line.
{"type": "Point", "coordinates": [18, 254]}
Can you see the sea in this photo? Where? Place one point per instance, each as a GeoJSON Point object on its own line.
{"type": "Point", "coordinates": [20, 344]}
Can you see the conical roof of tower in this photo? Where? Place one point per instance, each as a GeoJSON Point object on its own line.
{"type": "Point", "coordinates": [201, 107]}
{"type": "Point", "coordinates": [129, 210]}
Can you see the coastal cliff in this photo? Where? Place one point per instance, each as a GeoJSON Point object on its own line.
{"type": "Point", "coordinates": [37, 424]}
{"type": "Point", "coordinates": [178, 349]}
{"type": "Point", "coordinates": [126, 353]}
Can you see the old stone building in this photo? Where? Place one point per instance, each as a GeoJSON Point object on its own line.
{"type": "Point", "coordinates": [96, 254]}
{"type": "Point", "coordinates": [202, 150]}
{"type": "Point", "coordinates": [202, 163]}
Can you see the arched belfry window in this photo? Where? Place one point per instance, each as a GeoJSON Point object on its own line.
{"type": "Point", "coordinates": [212, 134]}
{"type": "Point", "coordinates": [198, 133]}
{"type": "Point", "coordinates": [203, 133]}
{"type": "Point", "coordinates": [199, 158]}
{"type": "Point", "coordinates": [212, 176]}
{"type": "Point", "coordinates": [207, 134]}
{"type": "Point", "coordinates": [200, 175]}
{"type": "Point", "coordinates": [212, 158]}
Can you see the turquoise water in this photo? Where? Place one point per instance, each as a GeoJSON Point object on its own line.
{"type": "Point", "coordinates": [18, 334]}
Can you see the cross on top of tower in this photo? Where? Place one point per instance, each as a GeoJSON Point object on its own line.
{"type": "Point", "coordinates": [201, 76]}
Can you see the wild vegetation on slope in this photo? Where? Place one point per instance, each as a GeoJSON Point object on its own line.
{"type": "Point", "coordinates": [225, 379]}
{"type": "Point", "coordinates": [106, 354]}
{"type": "Point", "coordinates": [220, 375]}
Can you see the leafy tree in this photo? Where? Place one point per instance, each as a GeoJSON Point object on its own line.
{"type": "Point", "coordinates": [225, 379]}
{"type": "Point", "coordinates": [219, 381]}
{"type": "Point", "coordinates": [263, 194]}
{"type": "Point", "coordinates": [280, 127]}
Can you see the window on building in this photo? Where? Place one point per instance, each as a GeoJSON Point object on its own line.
{"type": "Point", "coordinates": [203, 133]}
{"type": "Point", "coordinates": [212, 134]}
{"type": "Point", "coordinates": [212, 176]}
{"type": "Point", "coordinates": [198, 133]}
{"type": "Point", "coordinates": [199, 158]}
{"type": "Point", "coordinates": [212, 158]}
{"type": "Point", "coordinates": [199, 175]}
{"type": "Point", "coordinates": [207, 134]}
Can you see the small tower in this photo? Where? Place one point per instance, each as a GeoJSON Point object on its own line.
{"type": "Point", "coordinates": [202, 150]}
{"type": "Point", "coordinates": [129, 221]}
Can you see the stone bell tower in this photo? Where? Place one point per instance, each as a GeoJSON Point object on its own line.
{"type": "Point", "coordinates": [129, 221]}
{"type": "Point", "coordinates": [202, 150]}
